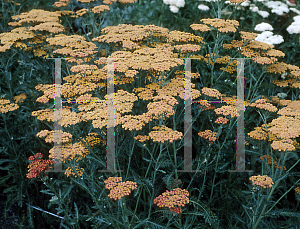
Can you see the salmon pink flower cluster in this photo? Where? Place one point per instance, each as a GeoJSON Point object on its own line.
{"type": "Point", "coordinates": [38, 165]}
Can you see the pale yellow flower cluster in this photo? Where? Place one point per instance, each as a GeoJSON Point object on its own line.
{"type": "Point", "coordinates": [68, 117]}
{"type": "Point", "coordinates": [211, 92]}
{"type": "Point", "coordinates": [264, 60]}
{"type": "Point", "coordinates": [62, 3]}
{"type": "Point", "coordinates": [200, 27]}
{"type": "Point", "coordinates": [279, 67]}
{"type": "Point", "coordinates": [285, 127]}
{"type": "Point", "coordinates": [52, 27]}
{"type": "Point", "coordinates": [129, 33]}
{"type": "Point", "coordinates": [11, 37]}
{"type": "Point", "coordinates": [183, 37]}
{"type": "Point", "coordinates": [283, 83]}
{"type": "Point", "coordinates": [237, 1]}
{"type": "Point", "coordinates": [82, 68]}
{"type": "Point", "coordinates": [101, 8]}
{"type": "Point", "coordinates": [259, 45]}
{"type": "Point", "coordinates": [248, 52]}
{"type": "Point", "coordinates": [222, 25]}
{"type": "Point", "coordinates": [36, 16]}
{"type": "Point", "coordinates": [233, 44]}
{"type": "Point", "coordinates": [81, 12]}
{"type": "Point", "coordinates": [227, 110]}
{"type": "Point", "coordinates": [187, 48]}
{"type": "Point", "coordinates": [282, 146]}
{"type": "Point", "coordinates": [263, 181]}
{"type": "Point", "coordinates": [72, 45]}
{"type": "Point", "coordinates": [66, 137]}
{"type": "Point", "coordinates": [163, 134]}
{"type": "Point", "coordinates": [292, 109]}
{"type": "Point", "coordinates": [109, 2]}
{"type": "Point", "coordinates": [69, 151]}
{"type": "Point", "coordinates": [262, 104]}
{"type": "Point", "coordinates": [127, 1]}
{"type": "Point", "coordinates": [159, 59]}
{"type": "Point", "coordinates": [274, 53]}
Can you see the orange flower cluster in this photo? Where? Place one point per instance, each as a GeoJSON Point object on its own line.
{"type": "Point", "coordinates": [264, 60]}
{"type": "Point", "coordinates": [101, 8]}
{"type": "Point", "coordinates": [207, 105]}
{"type": "Point", "coordinates": [201, 27]}
{"type": "Point", "coordinates": [142, 138]}
{"type": "Point", "coordinates": [221, 24]}
{"type": "Point", "coordinates": [69, 171]}
{"type": "Point", "coordinates": [8, 106]}
{"type": "Point", "coordinates": [164, 133]}
{"type": "Point", "coordinates": [221, 120]}
{"type": "Point", "coordinates": [227, 110]}
{"type": "Point", "coordinates": [94, 139]}
{"type": "Point", "coordinates": [261, 133]}
{"type": "Point", "coordinates": [171, 199]}
{"type": "Point", "coordinates": [261, 103]}
{"type": "Point", "coordinates": [208, 134]}
{"type": "Point", "coordinates": [270, 162]}
{"type": "Point", "coordinates": [66, 137]}
{"type": "Point", "coordinates": [20, 97]}
{"type": "Point", "coordinates": [263, 181]}
{"type": "Point", "coordinates": [38, 165]}
{"type": "Point", "coordinates": [211, 92]}
{"type": "Point", "coordinates": [297, 190]}
{"type": "Point", "coordinates": [119, 189]}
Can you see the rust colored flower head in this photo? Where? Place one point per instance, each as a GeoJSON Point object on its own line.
{"type": "Point", "coordinates": [38, 165]}
{"type": "Point", "coordinates": [208, 134]}
{"type": "Point", "coordinates": [173, 200]}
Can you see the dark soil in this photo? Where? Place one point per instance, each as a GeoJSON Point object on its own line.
{"type": "Point", "coordinates": [12, 217]}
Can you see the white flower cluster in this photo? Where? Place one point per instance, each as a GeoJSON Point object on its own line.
{"type": "Point", "coordinates": [263, 27]}
{"type": "Point", "coordinates": [269, 38]}
{"type": "Point", "coordinates": [295, 26]}
{"type": "Point", "coordinates": [252, 7]}
{"type": "Point", "coordinates": [277, 7]}
{"type": "Point", "coordinates": [174, 4]}
{"type": "Point", "coordinates": [203, 7]}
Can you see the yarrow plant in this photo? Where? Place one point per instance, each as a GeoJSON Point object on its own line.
{"type": "Point", "coordinates": [151, 141]}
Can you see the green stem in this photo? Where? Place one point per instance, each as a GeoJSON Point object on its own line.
{"type": "Point", "coordinates": [174, 148]}
{"type": "Point", "coordinates": [269, 197]}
